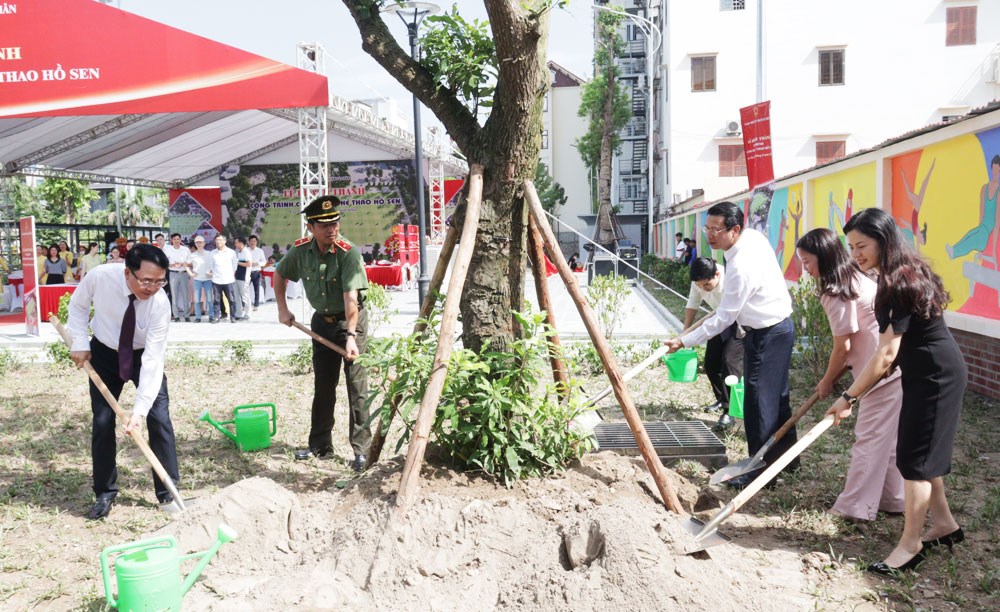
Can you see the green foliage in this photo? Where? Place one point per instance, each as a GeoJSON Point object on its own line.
{"type": "Point", "coordinates": [582, 358]}
{"type": "Point", "coordinates": [551, 193]}
{"type": "Point", "coordinates": [671, 273]}
{"type": "Point", "coordinates": [147, 206]}
{"type": "Point", "coordinates": [462, 57]}
{"type": "Point", "coordinates": [71, 198]}
{"type": "Point", "coordinates": [495, 414]}
{"type": "Point", "coordinates": [379, 307]}
{"type": "Point", "coordinates": [190, 358]}
{"type": "Point", "coordinates": [237, 352]}
{"type": "Point", "coordinates": [607, 295]}
{"type": "Point", "coordinates": [595, 98]}
{"type": "Point", "coordinates": [8, 362]}
{"type": "Point", "coordinates": [300, 360]}
{"type": "Point", "coordinates": [59, 354]}
{"type": "Point", "coordinates": [813, 341]}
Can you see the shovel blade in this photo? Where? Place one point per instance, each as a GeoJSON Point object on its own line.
{"type": "Point", "coordinates": [751, 464]}
{"type": "Point", "coordinates": [702, 539]}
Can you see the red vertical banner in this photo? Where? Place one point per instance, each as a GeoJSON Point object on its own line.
{"type": "Point", "coordinates": [29, 267]}
{"type": "Point", "coordinates": [756, 120]}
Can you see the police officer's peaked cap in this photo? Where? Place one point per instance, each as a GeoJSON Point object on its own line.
{"type": "Point", "coordinates": [323, 210]}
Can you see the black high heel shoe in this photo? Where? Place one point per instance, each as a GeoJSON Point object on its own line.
{"type": "Point", "coordinates": [884, 570]}
{"type": "Point", "coordinates": [948, 540]}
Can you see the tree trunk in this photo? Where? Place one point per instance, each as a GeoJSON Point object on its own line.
{"type": "Point", "coordinates": [605, 233]}
{"type": "Point", "coordinates": [507, 146]}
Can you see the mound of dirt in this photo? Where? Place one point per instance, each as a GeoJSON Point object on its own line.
{"type": "Point", "coordinates": [595, 538]}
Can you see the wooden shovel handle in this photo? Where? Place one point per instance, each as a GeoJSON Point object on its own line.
{"type": "Point", "coordinates": [110, 398]}
{"type": "Point", "coordinates": [804, 408]}
{"type": "Point", "coordinates": [318, 338]}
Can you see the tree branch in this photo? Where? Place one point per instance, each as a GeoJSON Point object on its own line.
{"type": "Point", "coordinates": [378, 42]}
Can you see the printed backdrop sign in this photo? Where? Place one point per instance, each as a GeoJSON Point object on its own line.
{"type": "Point", "coordinates": [756, 120]}
{"type": "Point", "coordinates": [196, 211]}
{"type": "Point", "coordinates": [263, 200]}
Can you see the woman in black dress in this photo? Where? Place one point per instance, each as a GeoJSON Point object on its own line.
{"type": "Point", "coordinates": [909, 305]}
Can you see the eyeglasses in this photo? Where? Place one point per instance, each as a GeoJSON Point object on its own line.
{"type": "Point", "coordinates": [715, 231]}
{"type": "Point", "coordinates": [146, 283]}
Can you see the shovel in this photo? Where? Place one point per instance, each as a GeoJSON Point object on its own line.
{"type": "Point", "coordinates": [318, 338]}
{"type": "Point", "coordinates": [757, 461]}
{"type": "Point", "coordinates": [706, 534]}
{"type": "Point", "coordinates": [136, 436]}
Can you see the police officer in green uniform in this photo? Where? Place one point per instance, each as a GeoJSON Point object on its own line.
{"type": "Point", "coordinates": [333, 273]}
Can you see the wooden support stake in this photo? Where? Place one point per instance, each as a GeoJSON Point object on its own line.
{"type": "Point", "coordinates": [378, 437]}
{"type": "Point", "coordinates": [559, 374]}
{"type": "Point", "coordinates": [410, 480]}
{"type": "Point", "coordinates": [607, 357]}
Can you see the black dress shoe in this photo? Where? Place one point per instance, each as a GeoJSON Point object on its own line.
{"type": "Point", "coordinates": [725, 423]}
{"type": "Point", "coordinates": [948, 540]}
{"type": "Point", "coordinates": [309, 453]}
{"type": "Point", "coordinates": [713, 407]}
{"type": "Point", "coordinates": [884, 570]}
{"type": "Point", "coordinates": [359, 463]}
{"type": "Point", "coordinates": [101, 508]}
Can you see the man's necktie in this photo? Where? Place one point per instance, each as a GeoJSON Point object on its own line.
{"type": "Point", "coordinates": [125, 341]}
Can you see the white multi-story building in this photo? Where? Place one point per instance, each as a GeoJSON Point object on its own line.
{"type": "Point", "coordinates": [561, 128]}
{"type": "Point", "coordinates": [841, 77]}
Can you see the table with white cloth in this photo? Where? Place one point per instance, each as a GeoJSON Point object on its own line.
{"type": "Point", "coordinates": [293, 290]}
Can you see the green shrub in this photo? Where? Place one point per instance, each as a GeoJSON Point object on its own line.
{"type": "Point", "coordinates": [190, 358]}
{"type": "Point", "coordinates": [300, 360]}
{"type": "Point", "coordinates": [607, 295]}
{"type": "Point", "coordinates": [237, 352]}
{"type": "Point", "coordinates": [813, 341]}
{"type": "Point", "coordinates": [671, 273]}
{"type": "Point", "coordinates": [59, 354]}
{"type": "Point", "coordinates": [495, 414]}
{"type": "Point", "coordinates": [378, 304]}
{"type": "Point", "coordinates": [8, 362]}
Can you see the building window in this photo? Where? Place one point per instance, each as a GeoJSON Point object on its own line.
{"type": "Point", "coordinates": [961, 29]}
{"type": "Point", "coordinates": [545, 105]}
{"type": "Point", "coordinates": [831, 67]}
{"type": "Point", "coordinates": [703, 73]}
{"type": "Point", "coordinates": [732, 5]}
{"type": "Point", "coordinates": [545, 139]}
{"type": "Point", "coordinates": [732, 161]}
{"type": "Point", "coordinates": [830, 150]}
{"type": "Point", "coordinates": [632, 189]}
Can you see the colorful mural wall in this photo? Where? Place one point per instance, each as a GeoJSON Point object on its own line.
{"type": "Point", "coordinates": [943, 193]}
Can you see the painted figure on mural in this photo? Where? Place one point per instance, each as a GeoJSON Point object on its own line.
{"type": "Point", "coordinates": [795, 209]}
{"type": "Point", "coordinates": [978, 237]}
{"type": "Point", "coordinates": [914, 233]}
{"type": "Point", "coordinates": [840, 217]}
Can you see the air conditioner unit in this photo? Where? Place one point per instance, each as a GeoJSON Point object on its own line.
{"type": "Point", "coordinates": [732, 128]}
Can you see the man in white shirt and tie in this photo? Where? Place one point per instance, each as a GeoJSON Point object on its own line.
{"type": "Point", "coordinates": [131, 318]}
{"type": "Point", "coordinates": [754, 296]}
{"type": "Point", "coordinates": [180, 281]}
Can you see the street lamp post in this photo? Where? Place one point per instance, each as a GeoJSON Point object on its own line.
{"type": "Point", "coordinates": [411, 14]}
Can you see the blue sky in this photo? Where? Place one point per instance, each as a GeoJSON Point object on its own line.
{"type": "Point", "coordinates": [273, 28]}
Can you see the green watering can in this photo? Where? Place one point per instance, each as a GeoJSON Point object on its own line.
{"type": "Point", "coordinates": [149, 572]}
{"type": "Point", "coordinates": [254, 426]}
{"type": "Point", "coordinates": [735, 396]}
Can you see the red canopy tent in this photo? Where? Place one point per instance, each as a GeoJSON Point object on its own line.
{"type": "Point", "coordinates": [90, 88]}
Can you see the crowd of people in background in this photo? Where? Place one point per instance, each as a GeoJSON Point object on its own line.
{"type": "Point", "coordinates": [215, 283]}
{"type": "Point", "coordinates": [685, 250]}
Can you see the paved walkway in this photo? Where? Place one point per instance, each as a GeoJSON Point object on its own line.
{"type": "Point", "coordinates": [644, 319]}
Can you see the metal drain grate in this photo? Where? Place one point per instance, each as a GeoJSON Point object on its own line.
{"type": "Point", "coordinates": [672, 440]}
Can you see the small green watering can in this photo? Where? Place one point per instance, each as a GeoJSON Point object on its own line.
{"type": "Point", "coordinates": [149, 572]}
{"type": "Point", "coordinates": [735, 396]}
{"type": "Point", "coordinates": [254, 425]}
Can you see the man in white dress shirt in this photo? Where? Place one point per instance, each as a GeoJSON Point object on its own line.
{"type": "Point", "coordinates": [223, 274]}
{"type": "Point", "coordinates": [258, 261]}
{"type": "Point", "coordinates": [111, 289]}
{"type": "Point", "coordinates": [179, 257]}
{"type": "Point", "coordinates": [756, 297]}
{"type": "Point", "coordinates": [724, 352]}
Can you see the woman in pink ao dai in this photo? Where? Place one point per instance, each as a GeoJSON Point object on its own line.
{"type": "Point", "coordinates": [847, 295]}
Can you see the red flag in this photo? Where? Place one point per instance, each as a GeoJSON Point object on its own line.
{"type": "Point", "coordinates": [756, 120]}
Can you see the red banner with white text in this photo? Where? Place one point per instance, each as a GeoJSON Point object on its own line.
{"type": "Point", "coordinates": [80, 57]}
{"type": "Point", "coordinates": [756, 120]}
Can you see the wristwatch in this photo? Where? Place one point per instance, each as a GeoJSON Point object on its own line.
{"type": "Point", "coordinates": [851, 401]}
